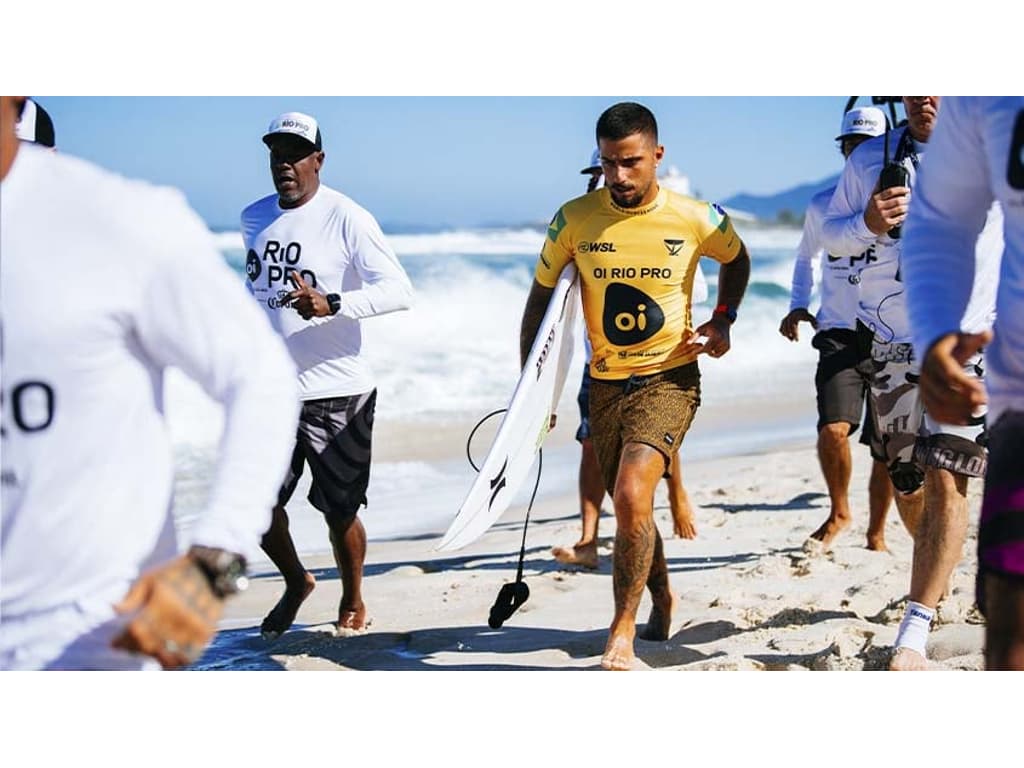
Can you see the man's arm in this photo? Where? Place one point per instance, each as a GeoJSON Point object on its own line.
{"type": "Point", "coordinates": [859, 213]}
{"type": "Point", "coordinates": [952, 199]}
{"type": "Point", "coordinates": [732, 285]}
{"type": "Point", "coordinates": [536, 305]}
{"type": "Point", "coordinates": [386, 287]}
{"type": "Point", "coordinates": [803, 275]}
{"type": "Point", "coordinates": [194, 314]}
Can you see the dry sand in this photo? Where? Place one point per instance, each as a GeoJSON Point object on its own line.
{"type": "Point", "coordinates": [749, 597]}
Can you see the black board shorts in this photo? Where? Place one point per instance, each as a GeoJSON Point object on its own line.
{"type": "Point", "coordinates": [843, 376]}
{"type": "Point", "coordinates": [334, 438]}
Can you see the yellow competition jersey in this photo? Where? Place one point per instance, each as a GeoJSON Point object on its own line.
{"type": "Point", "coordinates": [636, 267]}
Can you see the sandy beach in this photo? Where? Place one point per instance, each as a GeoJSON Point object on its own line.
{"type": "Point", "coordinates": [749, 597]}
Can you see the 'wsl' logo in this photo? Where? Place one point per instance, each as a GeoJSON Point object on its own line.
{"type": "Point", "coordinates": [630, 315]}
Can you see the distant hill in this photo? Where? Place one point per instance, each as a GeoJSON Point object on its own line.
{"type": "Point", "coordinates": [772, 207]}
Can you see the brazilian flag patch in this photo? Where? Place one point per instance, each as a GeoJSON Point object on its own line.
{"type": "Point", "coordinates": [556, 226]}
{"type": "Point", "coordinates": [718, 217]}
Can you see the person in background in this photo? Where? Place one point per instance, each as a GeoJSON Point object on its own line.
{"type": "Point", "coordinates": [319, 264]}
{"type": "Point", "coordinates": [844, 372]}
{"type": "Point", "coordinates": [92, 575]}
{"type": "Point", "coordinates": [930, 462]}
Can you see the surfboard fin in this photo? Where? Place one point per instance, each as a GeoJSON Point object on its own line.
{"type": "Point", "coordinates": [510, 597]}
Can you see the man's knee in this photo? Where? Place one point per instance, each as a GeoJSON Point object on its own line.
{"type": "Point", "coordinates": [834, 434]}
{"type": "Point", "coordinates": [907, 477]}
{"type": "Point", "coordinates": [635, 483]}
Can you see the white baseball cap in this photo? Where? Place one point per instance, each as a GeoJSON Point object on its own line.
{"type": "Point", "coordinates": [595, 162]}
{"type": "Point", "coordinates": [35, 125]}
{"type": "Point", "coordinates": [863, 121]}
{"type": "Point", "coordinates": [298, 124]}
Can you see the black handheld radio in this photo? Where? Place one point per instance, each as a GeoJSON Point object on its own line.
{"type": "Point", "coordinates": [894, 174]}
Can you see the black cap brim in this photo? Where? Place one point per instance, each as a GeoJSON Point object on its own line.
{"type": "Point", "coordinates": [316, 146]}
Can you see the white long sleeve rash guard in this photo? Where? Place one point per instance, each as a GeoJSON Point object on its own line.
{"type": "Point", "coordinates": [337, 247]}
{"type": "Point", "coordinates": [105, 283]}
{"type": "Point", "coordinates": [976, 156]}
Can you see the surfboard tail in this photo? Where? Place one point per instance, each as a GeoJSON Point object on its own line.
{"type": "Point", "coordinates": [525, 425]}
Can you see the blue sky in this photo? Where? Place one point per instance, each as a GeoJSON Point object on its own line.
{"type": "Point", "coordinates": [455, 161]}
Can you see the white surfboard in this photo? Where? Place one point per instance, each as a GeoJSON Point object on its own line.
{"type": "Point", "coordinates": [526, 423]}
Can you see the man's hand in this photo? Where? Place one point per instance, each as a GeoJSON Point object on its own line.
{"type": "Point", "coordinates": [308, 302]}
{"type": "Point", "coordinates": [791, 322]}
{"type": "Point", "coordinates": [175, 613]}
{"type": "Point", "coordinates": [950, 395]}
{"type": "Point", "coordinates": [886, 209]}
{"type": "Point", "coordinates": [716, 333]}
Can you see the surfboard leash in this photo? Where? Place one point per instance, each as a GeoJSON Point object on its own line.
{"type": "Point", "coordinates": [513, 595]}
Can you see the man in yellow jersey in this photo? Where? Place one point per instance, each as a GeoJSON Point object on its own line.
{"type": "Point", "coordinates": [636, 247]}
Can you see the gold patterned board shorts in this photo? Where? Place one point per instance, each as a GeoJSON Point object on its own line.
{"type": "Point", "coordinates": [656, 410]}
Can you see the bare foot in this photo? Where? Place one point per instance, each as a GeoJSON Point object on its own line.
{"type": "Point", "coordinates": [618, 654]}
{"type": "Point", "coordinates": [877, 544]}
{"type": "Point", "coordinates": [352, 619]}
{"type": "Point", "coordinates": [283, 614]}
{"type": "Point", "coordinates": [907, 660]}
{"type": "Point", "coordinates": [660, 619]}
{"type": "Point", "coordinates": [831, 528]}
{"type": "Point", "coordinates": [583, 555]}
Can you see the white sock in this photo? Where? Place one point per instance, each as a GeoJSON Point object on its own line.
{"type": "Point", "coordinates": [913, 633]}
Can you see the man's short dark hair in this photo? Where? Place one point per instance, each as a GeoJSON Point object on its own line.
{"type": "Point", "coordinates": [624, 119]}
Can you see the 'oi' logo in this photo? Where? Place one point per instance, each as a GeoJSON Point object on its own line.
{"type": "Point", "coordinates": [630, 315]}
{"type": "Point", "coordinates": [253, 267]}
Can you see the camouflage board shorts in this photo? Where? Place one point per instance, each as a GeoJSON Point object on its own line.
{"type": "Point", "coordinates": [905, 437]}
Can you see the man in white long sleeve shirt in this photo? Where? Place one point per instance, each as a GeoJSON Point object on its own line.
{"type": "Point", "coordinates": [843, 374]}
{"type": "Point", "coordinates": [975, 157]}
{"type": "Point", "coordinates": [930, 462]}
{"type": "Point", "coordinates": [92, 577]}
{"type": "Point", "coordinates": [318, 264]}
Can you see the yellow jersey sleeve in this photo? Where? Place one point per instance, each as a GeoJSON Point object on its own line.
{"type": "Point", "coordinates": [718, 239]}
{"type": "Point", "coordinates": [556, 252]}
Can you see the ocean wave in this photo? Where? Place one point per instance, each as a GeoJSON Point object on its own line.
{"type": "Point", "coordinates": [511, 241]}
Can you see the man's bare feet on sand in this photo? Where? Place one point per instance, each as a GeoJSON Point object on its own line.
{"type": "Point", "coordinates": [660, 620]}
{"type": "Point", "coordinates": [618, 654]}
{"type": "Point", "coordinates": [583, 555]}
{"type": "Point", "coordinates": [352, 620]}
{"type": "Point", "coordinates": [828, 531]}
{"type": "Point", "coordinates": [907, 660]}
{"type": "Point", "coordinates": [877, 544]}
{"type": "Point", "coordinates": [283, 614]}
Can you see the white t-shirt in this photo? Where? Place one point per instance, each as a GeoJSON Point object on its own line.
{"type": "Point", "coordinates": [337, 247]}
{"type": "Point", "coordinates": [975, 156]}
{"type": "Point", "coordinates": [840, 275]}
{"type": "Point", "coordinates": [105, 283]}
{"type": "Point", "coordinates": [882, 304]}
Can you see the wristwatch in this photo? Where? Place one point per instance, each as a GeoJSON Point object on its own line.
{"type": "Point", "coordinates": [729, 312]}
{"type": "Point", "coordinates": [334, 302]}
{"type": "Point", "coordinates": [224, 570]}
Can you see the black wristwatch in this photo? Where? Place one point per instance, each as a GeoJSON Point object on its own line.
{"type": "Point", "coordinates": [224, 570]}
{"type": "Point", "coordinates": [334, 302]}
{"type": "Point", "coordinates": [729, 312]}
